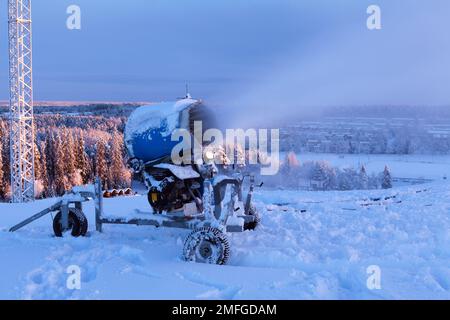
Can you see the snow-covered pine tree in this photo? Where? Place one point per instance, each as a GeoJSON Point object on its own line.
{"type": "Point", "coordinates": [43, 168]}
{"type": "Point", "coordinates": [39, 187]}
{"type": "Point", "coordinates": [101, 165]}
{"type": "Point", "coordinates": [330, 174]}
{"type": "Point", "coordinates": [290, 170]}
{"type": "Point", "coordinates": [347, 179]}
{"type": "Point", "coordinates": [319, 180]}
{"type": "Point", "coordinates": [386, 182]}
{"type": "Point", "coordinates": [363, 178]}
{"type": "Point", "coordinates": [69, 159]}
{"type": "Point", "coordinates": [37, 160]}
{"type": "Point", "coordinates": [119, 175]}
{"type": "Point", "coordinates": [291, 160]}
{"type": "Point", "coordinates": [60, 180]}
{"type": "Point", "coordinates": [50, 156]}
{"type": "Point", "coordinates": [4, 158]}
{"type": "Point", "coordinates": [374, 181]}
{"type": "Point", "coordinates": [82, 163]}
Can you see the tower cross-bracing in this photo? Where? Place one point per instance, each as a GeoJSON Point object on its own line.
{"type": "Point", "coordinates": [21, 100]}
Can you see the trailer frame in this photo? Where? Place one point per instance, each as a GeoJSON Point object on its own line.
{"type": "Point", "coordinates": [78, 195]}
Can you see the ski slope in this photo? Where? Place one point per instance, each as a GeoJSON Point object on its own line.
{"type": "Point", "coordinates": [311, 245]}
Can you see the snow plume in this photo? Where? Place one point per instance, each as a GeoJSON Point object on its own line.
{"type": "Point", "coordinates": [407, 62]}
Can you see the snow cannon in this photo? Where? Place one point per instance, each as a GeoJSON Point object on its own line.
{"type": "Point", "coordinates": [188, 196]}
{"type": "Point", "coordinates": [191, 195]}
{"type": "Point", "coordinates": [148, 132]}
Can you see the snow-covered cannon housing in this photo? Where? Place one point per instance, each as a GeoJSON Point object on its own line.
{"type": "Point", "coordinates": [149, 128]}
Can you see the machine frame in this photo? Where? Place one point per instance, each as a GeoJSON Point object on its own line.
{"type": "Point", "coordinates": [210, 226]}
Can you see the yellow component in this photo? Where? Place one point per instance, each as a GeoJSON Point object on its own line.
{"type": "Point", "coordinates": [154, 197]}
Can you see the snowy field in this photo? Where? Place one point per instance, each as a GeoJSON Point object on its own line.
{"type": "Point", "coordinates": [433, 167]}
{"type": "Point", "coordinates": [311, 245]}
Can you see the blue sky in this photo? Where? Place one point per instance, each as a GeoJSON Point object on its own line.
{"type": "Point", "coordinates": [310, 52]}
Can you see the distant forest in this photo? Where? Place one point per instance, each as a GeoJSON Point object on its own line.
{"type": "Point", "coordinates": [73, 145]}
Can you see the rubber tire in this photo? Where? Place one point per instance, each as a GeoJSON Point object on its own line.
{"type": "Point", "coordinates": [78, 224]}
{"type": "Point", "coordinates": [213, 237]}
{"type": "Point", "coordinates": [253, 225]}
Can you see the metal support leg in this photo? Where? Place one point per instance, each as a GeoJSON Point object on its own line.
{"type": "Point", "coordinates": [207, 195]}
{"type": "Point", "coordinates": [98, 204]}
{"type": "Point", "coordinates": [65, 216]}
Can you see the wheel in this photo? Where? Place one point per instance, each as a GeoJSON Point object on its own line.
{"type": "Point", "coordinates": [252, 225]}
{"type": "Point", "coordinates": [207, 245]}
{"type": "Point", "coordinates": [78, 224]}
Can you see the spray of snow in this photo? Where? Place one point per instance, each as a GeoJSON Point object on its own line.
{"type": "Point", "coordinates": [405, 63]}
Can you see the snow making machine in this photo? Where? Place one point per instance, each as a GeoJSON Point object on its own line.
{"type": "Point", "coordinates": [203, 197]}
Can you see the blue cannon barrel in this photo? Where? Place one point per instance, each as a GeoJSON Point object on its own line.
{"type": "Point", "coordinates": [149, 128]}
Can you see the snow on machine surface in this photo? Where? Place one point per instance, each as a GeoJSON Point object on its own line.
{"type": "Point", "coordinates": [190, 196]}
{"type": "Point", "coordinates": [149, 128]}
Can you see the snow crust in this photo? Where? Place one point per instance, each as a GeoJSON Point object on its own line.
{"type": "Point", "coordinates": [150, 117]}
{"type": "Point", "coordinates": [235, 221]}
{"type": "Point", "coordinates": [86, 188]}
{"type": "Point", "coordinates": [186, 172]}
{"type": "Point", "coordinates": [310, 245]}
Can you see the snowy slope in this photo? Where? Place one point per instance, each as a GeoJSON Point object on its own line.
{"type": "Point", "coordinates": [320, 253]}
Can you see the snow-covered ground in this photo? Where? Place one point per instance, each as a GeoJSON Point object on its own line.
{"type": "Point", "coordinates": [320, 253]}
{"type": "Point", "coordinates": [432, 167]}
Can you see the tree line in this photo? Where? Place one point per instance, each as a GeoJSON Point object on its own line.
{"type": "Point", "coordinates": [71, 151]}
{"type": "Point", "coordinates": [322, 176]}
